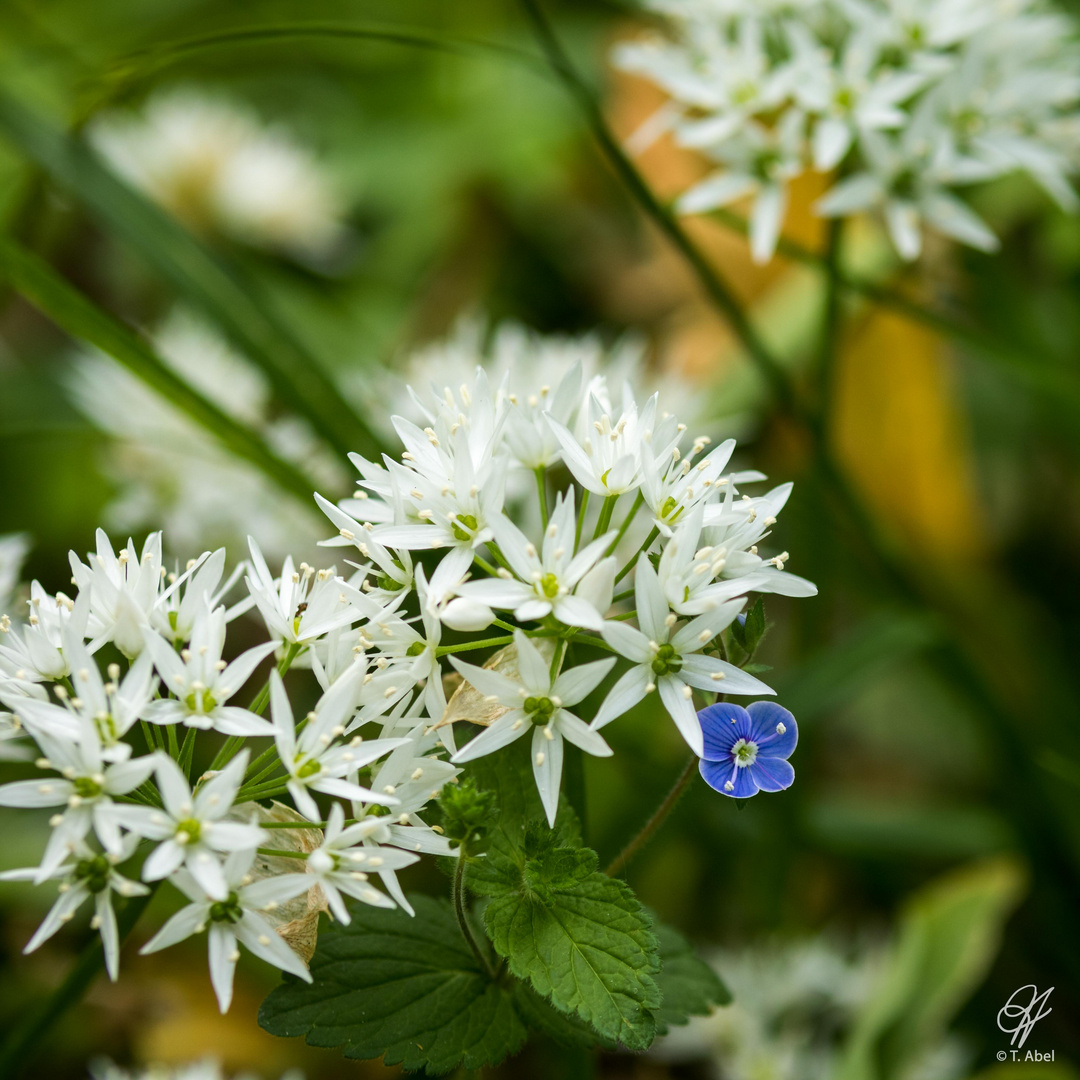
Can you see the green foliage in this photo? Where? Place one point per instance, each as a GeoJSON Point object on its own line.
{"type": "Point", "coordinates": [688, 986]}
{"type": "Point", "coordinates": [748, 635]}
{"type": "Point", "coordinates": [466, 813]}
{"type": "Point", "coordinates": [407, 989]}
{"type": "Point", "coordinates": [948, 937]}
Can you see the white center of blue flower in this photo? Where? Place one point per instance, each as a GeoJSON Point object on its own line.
{"type": "Point", "coordinates": [744, 753]}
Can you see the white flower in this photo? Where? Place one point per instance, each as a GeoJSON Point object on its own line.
{"type": "Point", "coordinates": [35, 651]}
{"type": "Point", "coordinates": [300, 606]}
{"type": "Point", "coordinates": [608, 460]}
{"type": "Point", "coordinates": [86, 873]}
{"type": "Point", "coordinates": [314, 757]}
{"type": "Point", "coordinates": [110, 707]}
{"type": "Point", "coordinates": [702, 567]}
{"type": "Point", "coordinates": [214, 163]}
{"type": "Point", "coordinates": [347, 857]}
{"type": "Point", "coordinates": [413, 777]}
{"type": "Point", "coordinates": [904, 99]}
{"type": "Point", "coordinates": [759, 161]}
{"type": "Point", "coordinates": [553, 581]}
{"type": "Point", "coordinates": [668, 658]}
{"type": "Point", "coordinates": [202, 682]}
{"type": "Point", "coordinates": [190, 827]}
{"type": "Point", "coordinates": [537, 702]}
{"type": "Point", "coordinates": [234, 918]}
{"type": "Point", "coordinates": [174, 618]}
{"type": "Point", "coordinates": [85, 788]}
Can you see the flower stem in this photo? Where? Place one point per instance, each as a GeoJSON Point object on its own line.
{"type": "Point", "coordinates": [658, 818]}
{"type": "Point", "coordinates": [232, 745]}
{"type": "Point", "coordinates": [463, 918]}
{"type": "Point", "coordinates": [581, 517]}
{"type": "Point", "coordinates": [626, 524]}
{"type": "Point", "coordinates": [637, 555]}
{"type": "Point", "coordinates": [541, 489]}
{"type": "Point", "coordinates": [468, 646]}
{"type": "Point", "coordinates": [28, 1035]}
{"type": "Point", "coordinates": [604, 520]}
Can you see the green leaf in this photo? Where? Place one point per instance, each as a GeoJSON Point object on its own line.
{"type": "Point", "coordinates": [949, 935]}
{"type": "Point", "coordinates": [74, 313]}
{"type": "Point", "coordinates": [206, 279]}
{"type": "Point", "coordinates": [748, 635]}
{"type": "Point", "coordinates": [567, 1029]}
{"type": "Point", "coordinates": [688, 986]}
{"type": "Point", "coordinates": [580, 938]}
{"type": "Point", "coordinates": [406, 989]}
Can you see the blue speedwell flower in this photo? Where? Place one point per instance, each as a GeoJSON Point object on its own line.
{"type": "Point", "coordinates": [746, 750]}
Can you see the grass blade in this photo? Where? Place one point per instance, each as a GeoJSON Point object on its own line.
{"type": "Point", "coordinates": [40, 284]}
{"type": "Point", "coordinates": [203, 278]}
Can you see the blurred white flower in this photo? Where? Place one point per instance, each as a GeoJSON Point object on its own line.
{"type": "Point", "coordinates": [217, 166]}
{"type": "Point", "coordinates": [906, 100]}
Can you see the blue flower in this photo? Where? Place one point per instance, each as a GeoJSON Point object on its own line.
{"type": "Point", "coordinates": [746, 750]}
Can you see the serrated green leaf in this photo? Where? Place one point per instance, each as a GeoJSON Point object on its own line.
{"type": "Point", "coordinates": [589, 947]}
{"type": "Point", "coordinates": [689, 987]}
{"type": "Point", "coordinates": [405, 989]}
{"type": "Point", "coordinates": [567, 1029]}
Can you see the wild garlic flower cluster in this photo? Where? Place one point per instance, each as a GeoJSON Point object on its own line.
{"type": "Point", "coordinates": [452, 608]}
{"type": "Point", "coordinates": [217, 166]}
{"type": "Point", "coordinates": [900, 101]}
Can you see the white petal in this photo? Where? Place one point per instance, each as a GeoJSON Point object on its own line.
{"type": "Point", "coordinates": [682, 711]}
{"type": "Point", "coordinates": [625, 694]}
{"type": "Point", "coordinates": [547, 758]}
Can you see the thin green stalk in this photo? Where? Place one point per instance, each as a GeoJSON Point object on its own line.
{"type": "Point", "coordinates": [581, 518]}
{"type": "Point", "coordinates": [717, 289]}
{"type": "Point", "coordinates": [638, 503]}
{"type": "Point", "coordinates": [659, 816]}
{"type": "Point", "coordinates": [541, 490]}
{"type": "Point", "coordinates": [505, 625]}
{"type": "Point", "coordinates": [231, 747]}
{"type": "Point", "coordinates": [28, 1035]}
{"type": "Point", "coordinates": [604, 520]}
{"type": "Point", "coordinates": [281, 853]}
{"type": "Point", "coordinates": [78, 316]}
{"type": "Point", "coordinates": [637, 555]}
{"type": "Point", "coordinates": [174, 743]}
{"type": "Point", "coordinates": [463, 917]}
{"type": "Point", "coordinates": [484, 565]}
{"type": "Point", "coordinates": [468, 646]}
{"type": "Point", "coordinates": [187, 752]}
{"type": "Point", "coordinates": [556, 659]}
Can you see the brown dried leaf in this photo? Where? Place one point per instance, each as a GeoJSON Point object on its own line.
{"type": "Point", "coordinates": [467, 703]}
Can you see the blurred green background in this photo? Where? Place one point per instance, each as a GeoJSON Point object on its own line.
{"type": "Point", "coordinates": [934, 677]}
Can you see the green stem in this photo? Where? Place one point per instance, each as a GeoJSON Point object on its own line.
{"type": "Point", "coordinates": [714, 285]}
{"type": "Point", "coordinates": [463, 917]}
{"type": "Point", "coordinates": [637, 555]}
{"type": "Point", "coordinates": [29, 1034]}
{"type": "Point", "coordinates": [638, 503]}
{"type": "Point", "coordinates": [174, 743]}
{"type": "Point", "coordinates": [658, 818]}
{"type": "Point", "coordinates": [581, 517]}
{"type": "Point", "coordinates": [468, 646]}
{"type": "Point", "coordinates": [281, 853]}
{"type": "Point", "coordinates": [231, 747]}
{"type": "Point", "coordinates": [604, 520]}
{"type": "Point", "coordinates": [541, 490]}
{"type": "Point", "coordinates": [484, 565]}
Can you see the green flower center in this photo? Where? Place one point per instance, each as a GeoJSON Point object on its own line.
{"type": "Point", "coordinates": [200, 701]}
{"type": "Point", "coordinates": [666, 661]}
{"type": "Point", "coordinates": [227, 911]}
{"type": "Point", "coordinates": [462, 523]}
{"type": "Point", "coordinates": [192, 830]}
{"type": "Point", "coordinates": [93, 873]}
{"type": "Point", "coordinates": [744, 753]}
{"type": "Point", "coordinates": [844, 98]}
{"type": "Point", "coordinates": [539, 710]}
{"type": "Point", "coordinates": [86, 788]}
{"type": "Point", "coordinates": [310, 768]}
{"type": "Point", "coordinates": [549, 585]}
{"type": "Point", "coordinates": [416, 648]}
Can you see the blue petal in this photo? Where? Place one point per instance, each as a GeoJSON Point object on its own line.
{"type": "Point", "coordinates": [764, 716]}
{"type": "Point", "coordinates": [718, 773]}
{"type": "Point", "coordinates": [772, 773]}
{"type": "Point", "coordinates": [721, 733]}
